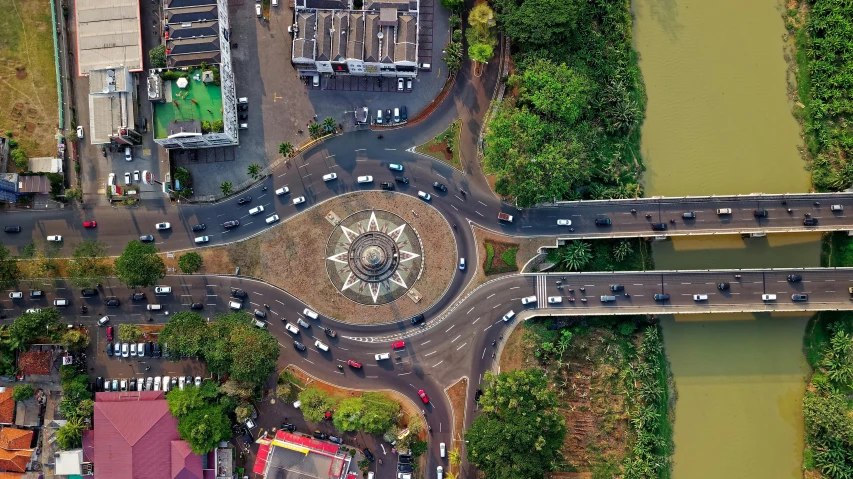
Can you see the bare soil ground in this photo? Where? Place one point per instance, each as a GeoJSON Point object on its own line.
{"type": "Point", "coordinates": [28, 92]}
{"type": "Point", "coordinates": [457, 394]}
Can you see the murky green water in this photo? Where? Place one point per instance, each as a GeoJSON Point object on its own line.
{"type": "Point", "coordinates": [718, 122]}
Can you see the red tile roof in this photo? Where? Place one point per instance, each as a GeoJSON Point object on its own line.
{"type": "Point", "coordinates": [34, 362]}
{"type": "Point", "coordinates": [15, 461]}
{"type": "Point", "coordinates": [12, 438]}
{"type": "Point", "coordinates": [135, 436]}
{"type": "Point", "coordinates": [7, 406]}
{"type": "Point", "coordinates": [11, 475]}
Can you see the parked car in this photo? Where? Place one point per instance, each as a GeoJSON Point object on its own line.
{"type": "Point", "coordinates": [197, 306]}
{"type": "Point", "coordinates": [368, 454]}
{"type": "Point", "coordinates": [163, 226]}
{"type": "Point", "coordinates": [112, 302]}
{"type": "Point", "coordinates": [125, 350]}
{"type": "Point", "coordinates": [109, 333]}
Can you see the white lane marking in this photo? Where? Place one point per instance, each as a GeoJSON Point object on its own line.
{"type": "Point", "coordinates": [361, 149]}
{"type": "Point", "coordinates": [438, 363]}
{"type": "Point", "coordinates": [403, 374]}
{"type": "Point", "coordinates": [484, 353]}
{"type": "Point", "coordinates": [255, 292]}
{"type": "Point", "coordinates": [458, 198]}
{"type": "Point", "coordinates": [279, 302]}
{"type": "Point", "coordinates": [481, 214]}
{"type": "Point", "coordinates": [454, 339]}
{"type": "Point", "coordinates": [455, 208]}
{"type": "Point", "coordinates": [308, 360]}
{"type": "Point", "coordinates": [482, 203]}
{"type": "Point", "coordinates": [430, 354]}
{"type": "Point", "coordinates": [390, 149]}
{"type": "Point", "coordinates": [423, 344]}
{"type": "Point", "coordinates": [514, 287]}
{"type": "Point", "coordinates": [489, 327]}
{"type": "Point", "coordinates": [489, 296]}
{"type": "Point", "coordinates": [439, 174]}
{"type": "Point", "coordinates": [448, 329]}
{"type": "Point", "coordinates": [475, 321]}
{"type": "Point", "coordinates": [460, 347]}
{"type": "Point", "coordinates": [472, 309]}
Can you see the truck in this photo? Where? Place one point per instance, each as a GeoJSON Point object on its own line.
{"type": "Point", "coordinates": [505, 217]}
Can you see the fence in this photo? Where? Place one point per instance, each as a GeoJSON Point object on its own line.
{"type": "Point", "coordinates": [60, 101]}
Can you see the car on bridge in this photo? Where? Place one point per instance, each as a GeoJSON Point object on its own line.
{"type": "Point", "coordinates": [810, 222]}
{"type": "Point", "coordinates": [555, 299]}
{"type": "Point", "coordinates": [722, 286]}
{"type": "Point", "coordinates": [617, 287]}
{"type": "Point", "coordinates": [798, 297]}
{"type": "Point", "coordinates": [658, 226]}
{"type": "Point", "coordinates": [603, 221]}
{"type": "Point", "coordinates": [836, 208]}
{"type": "Point", "coordinates": [700, 297]}
{"type": "Point", "coordinates": [794, 278]}
{"type": "Point", "coordinates": [688, 215]}
{"type": "Point", "coordinates": [761, 213]}
{"type": "Point", "coordinates": [661, 297]}
{"type": "Point", "coordinates": [528, 300]}
{"type": "Point", "coordinates": [564, 222]}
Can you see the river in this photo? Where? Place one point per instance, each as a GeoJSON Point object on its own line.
{"type": "Point", "coordinates": [719, 122]}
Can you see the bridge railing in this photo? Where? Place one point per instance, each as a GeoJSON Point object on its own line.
{"type": "Point", "coordinates": [708, 198]}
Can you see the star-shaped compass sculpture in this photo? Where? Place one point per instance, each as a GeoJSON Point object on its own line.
{"type": "Point", "coordinates": [373, 257]}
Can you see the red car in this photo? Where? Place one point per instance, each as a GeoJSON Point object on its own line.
{"type": "Point", "coordinates": [398, 345]}
{"type": "Point", "coordinates": [109, 333]}
{"type": "Point", "coordinates": [90, 224]}
{"type": "Point", "coordinates": [354, 364]}
{"type": "Point", "coordinates": [423, 396]}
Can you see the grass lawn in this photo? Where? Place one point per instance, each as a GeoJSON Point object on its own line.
{"type": "Point", "coordinates": [500, 257]}
{"type": "Point", "coordinates": [438, 146]}
{"type": "Point", "coordinates": [198, 101]}
{"type": "Point", "coordinates": [28, 93]}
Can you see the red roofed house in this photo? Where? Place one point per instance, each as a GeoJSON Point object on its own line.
{"type": "Point", "coordinates": [135, 437]}
{"type": "Point", "coordinates": [15, 452]}
{"type": "Point", "coordinates": [7, 406]}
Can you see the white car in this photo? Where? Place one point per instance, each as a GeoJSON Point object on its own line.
{"type": "Point", "coordinates": [439, 471]}
{"type": "Point", "coordinates": [528, 300]}
{"type": "Point", "coordinates": [298, 200]}
{"type": "Point", "coordinates": [395, 167]}
{"type": "Point", "coordinates": [111, 179]}
{"type": "Point", "coordinates": [380, 357]}
{"type": "Point", "coordinates": [555, 299]}
{"type": "Point", "coordinates": [400, 84]}
{"type": "Point", "coordinates": [140, 384]}
{"type": "Point", "coordinates": [33, 310]}
{"type": "Point", "coordinates": [426, 196]}
{"type": "Point", "coordinates": [125, 350]}
{"type": "Point", "coordinates": [311, 314]}
{"type": "Point", "coordinates": [166, 380]}
{"type": "Point", "coordinates": [135, 175]}
{"type": "Point", "coordinates": [408, 84]}
{"type": "Point", "coordinates": [202, 239]}
{"type": "Point", "coordinates": [140, 350]}
{"type": "Point", "coordinates": [54, 238]}
{"type": "Point", "coordinates": [123, 386]}
{"type": "Point", "coordinates": [290, 327]}
{"type": "Point", "coordinates": [103, 321]}
{"type": "Point", "coordinates": [272, 219]}
{"type": "Point", "coordinates": [162, 289]}
{"type": "Point", "coordinates": [182, 381]}
{"type": "Point", "coordinates": [157, 383]}
{"type": "Point", "coordinates": [163, 226]}
{"type": "Point", "coordinates": [509, 315]}
{"type": "Point", "coordinates": [149, 383]}
{"type": "Point", "coordinates": [258, 9]}
{"type": "Point", "coordinates": [700, 297]}
{"type": "Point", "coordinates": [443, 449]}
{"type": "Point", "coordinates": [80, 132]}
{"type": "Point", "coordinates": [127, 155]}
{"type": "Point", "coordinates": [282, 191]}
{"type": "Point", "coordinates": [365, 179]}
{"type": "Point", "coordinates": [330, 177]}
{"type": "Point", "coordinates": [564, 222]}
{"type": "Point", "coordinates": [16, 295]}
{"type": "Point", "coordinates": [126, 178]}
{"type": "Point", "coordinates": [462, 264]}
{"type": "Point", "coordinates": [256, 210]}
{"type": "Point", "coordinates": [133, 349]}
{"type": "Point", "coordinates": [235, 305]}
{"type": "Point", "coordinates": [198, 381]}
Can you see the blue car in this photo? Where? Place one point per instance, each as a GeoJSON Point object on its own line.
{"type": "Point", "coordinates": [110, 349]}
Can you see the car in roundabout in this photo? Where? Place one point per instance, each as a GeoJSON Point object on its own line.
{"type": "Point", "coordinates": [439, 186]}
{"type": "Point", "coordinates": [353, 364]}
{"type": "Point", "coordinates": [423, 395]}
{"type": "Point", "coordinates": [231, 224]}
{"type": "Point", "coordinates": [424, 195]}
{"type": "Point", "coordinates": [395, 167]}
{"type": "Point", "coordinates": [199, 227]}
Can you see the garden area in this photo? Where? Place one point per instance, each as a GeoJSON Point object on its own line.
{"type": "Point", "coordinates": [500, 257]}
{"type": "Point", "coordinates": [612, 387]}
{"type": "Point", "coordinates": [444, 147]}
{"type": "Point", "coordinates": [569, 127]}
{"type": "Point", "coordinates": [603, 255]}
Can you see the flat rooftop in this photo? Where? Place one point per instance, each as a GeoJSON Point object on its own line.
{"type": "Point", "coordinates": [108, 35]}
{"type": "Point", "coordinates": [198, 101]}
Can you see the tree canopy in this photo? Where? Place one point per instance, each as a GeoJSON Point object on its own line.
{"type": "Point", "coordinates": [30, 326]}
{"type": "Point", "coordinates": [139, 265]}
{"type": "Point", "coordinates": [373, 413]}
{"type": "Point", "coordinates": [88, 266]}
{"type": "Point", "coordinates": [190, 262]}
{"type": "Point", "coordinates": [185, 334]}
{"type": "Point", "coordinates": [8, 269]}
{"type": "Point", "coordinates": [315, 403]}
{"type": "Point", "coordinates": [519, 433]}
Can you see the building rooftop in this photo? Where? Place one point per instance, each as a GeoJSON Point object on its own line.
{"type": "Point", "coordinates": [194, 14]}
{"type": "Point", "coordinates": [13, 439]}
{"type": "Point", "coordinates": [199, 101]}
{"type": "Point", "coordinates": [7, 406]}
{"type": "Point", "coordinates": [35, 362]}
{"type": "Point", "coordinates": [300, 457]}
{"type": "Point", "coordinates": [108, 35]}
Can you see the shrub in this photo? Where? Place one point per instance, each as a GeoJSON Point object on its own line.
{"type": "Point", "coordinates": [23, 392]}
{"type": "Point", "coordinates": [129, 332]}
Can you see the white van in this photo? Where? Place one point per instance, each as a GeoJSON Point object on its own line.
{"type": "Point", "coordinates": [275, 3]}
{"type": "Point", "coordinates": [700, 297]}
{"type": "Point", "coordinates": [724, 211]}
{"type": "Point", "coordinates": [243, 100]}
{"type": "Point", "coordinates": [256, 210]}
{"type": "Point", "coordinates": [321, 346]}
{"type": "Point", "coordinates": [768, 297]}
{"type": "Point", "coordinates": [260, 324]}
{"type": "Point", "coordinates": [154, 307]}
{"type": "Point", "coordinates": [608, 299]}
{"type": "Point", "coordinates": [310, 314]}
{"type": "Point", "coordinates": [397, 114]}
{"type": "Point", "coordinates": [60, 302]}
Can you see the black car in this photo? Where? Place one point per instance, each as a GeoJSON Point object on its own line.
{"type": "Point", "coordinates": [794, 278]}
{"type": "Point", "coordinates": [244, 116]}
{"type": "Point", "coordinates": [617, 287]}
{"type": "Point", "coordinates": [330, 332]}
{"type": "Point", "coordinates": [112, 302]}
{"type": "Point", "coordinates": [157, 352]}
{"type": "Point", "coordinates": [239, 293]}
{"type": "Point", "coordinates": [197, 306]}
{"type": "Point", "coordinates": [401, 179]}
{"type": "Point", "coordinates": [299, 346]}
{"type": "Point", "coordinates": [658, 226]}
{"type": "Point", "coordinates": [288, 427]}
{"type": "Point", "coordinates": [477, 394]}
{"type": "Point", "coordinates": [386, 185]}
{"type": "Point", "coordinates": [132, 384]}
{"type": "Point", "coordinates": [439, 186]}
{"type": "Point", "coordinates": [368, 454]}
{"type": "Point", "coordinates": [404, 468]}
{"type": "Point", "coordinates": [722, 286]}
{"type": "Point", "coordinates": [137, 296]}
{"type": "Point", "coordinates": [418, 319]}
{"type": "Point", "coordinates": [148, 348]}
{"type": "Point", "coordinates": [688, 215]}
{"type": "Point", "coordinates": [36, 293]}
{"type": "Point", "coordinates": [199, 227]}
{"type": "Point", "coordinates": [231, 224]}
{"type": "Point", "coordinates": [388, 116]}
{"type": "Point", "coordinates": [320, 435]}
{"type": "Point", "coordinates": [243, 107]}
{"type": "Point", "coordinates": [761, 213]}
{"type": "Point", "coordinates": [89, 292]}
{"type": "Point", "coordinates": [99, 383]}
{"type": "Point", "coordinates": [260, 314]}
{"type": "Point", "coordinates": [602, 222]}
{"type": "Point", "coordinates": [110, 349]}
{"type": "Point", "coordinates": [146, 238]}
{"type": "Point", "coordinates": [12, 229]}
{"type": "Point", "coordinates": [810, 222]}
{"type": "Point", "coordinates": [403, 113]}
{"type": "Point", "coordinates": [244, 200]}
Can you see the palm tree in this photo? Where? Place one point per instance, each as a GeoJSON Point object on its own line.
{"type": "Point", "coordinates": [226, 188]}
{"type": "Point", "coordinates": [70, 435]}
{"type": "Point", "coordinates": [254, 171]}
{"type": "Point", "coordinates": [622, 250]}
{"type": "Point", "coordinates": [329, 125]}
{"type": "Point", "coordinates": [576, 255]}
{"type": "Point", "coordinates": [315, 130]}
{"type": "Point", "coordinates": [285, 149]}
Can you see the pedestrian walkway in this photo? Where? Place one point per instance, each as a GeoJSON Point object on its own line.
{"type": "Point", "coordinates": [541, 291]}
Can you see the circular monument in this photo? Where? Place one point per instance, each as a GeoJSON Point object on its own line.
{"type": "Point", "coordinates": [373, 257]}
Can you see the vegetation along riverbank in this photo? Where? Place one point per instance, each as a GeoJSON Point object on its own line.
{"type": "Point", "coordinates": [632, 254]}
{"type": "Point", "coordinates": [603, 383]}
{"type": "Point", "coordinates": [823, 31]}
{"type": "Point", "coordinates": [569, 127]}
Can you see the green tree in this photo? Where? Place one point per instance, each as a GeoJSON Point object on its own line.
{"type": "Point", "coordinates": [539, 24]}
{"type": "Point", "coordinates": [480, 52]}
{"type": "Point", "coordinates": [254, 170]}
{"type": "Point", "coordinates": [158, 56]}
{"type": "Point", "coordinates": [483, 25]}
{"type": "Point", "coordinates": [379, 414]}
{"type": "Point", "coordinates": [185, 400]}
{"type": "Point", "coordinates": [315, 403]}
{"type": "Point", "coordinates": [452, 5]}
{"type": "Point", "coordinates": [185, 334]}
{"type": "Point", "coordinates": [453, 56]}
{"type": "Point", "coordinates": [226, 187]}
{"type": "Point", "coordinates": [183, 175]}
{"type": "Point", "coordinates": [348, 414]}
{"type": "Point", "coordinates": [239, 390]}
{"type": "Point", "coordinates": [576, 255]}
{"type": "Point", "coordinates": [217, 126]}
{"type": "Point", "coordinates": [838, 359]}
{"type": "Point", "coordinates": [315, 130]}
{"type": "Point", "coordinates": [75, 340]}
{"type": "Point", "coordinates": [30, 326]}
{"type": "Point", "coordinates": [285, 149]}
{"type": "Point", "coordinates": [70, 435]}
{"type": "Point", "coordinates": [88, 266]}
{"type": "Point", "coordinates": [254, 353]}
{"type": "Point", "coordinates": [556, 91]}
{"type": "Point", "coordinates": [8, 269]}
{"type": "Point", "coordinates": [23, 392]}
{"type": "Point", "coordinates": [204, 427]}
{"type": "Point", "coordinates": [40, 268]}
{"type": "Point", "coordinates": [86, 409]}
{"type": "Point", "coordinates": [190, 262]}
{"type": "Point", "coordinates": [139, 265]}
{"type": "Point", "coordinates": [622, 250]}
{"type": "Point", "coordinates": [129, 333]}
{"type": "Point", "coordinates": [243, 411]}
{"type": "Point", "coordinates": [520, 431]}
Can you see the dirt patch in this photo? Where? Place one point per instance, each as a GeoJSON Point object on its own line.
{"type": "Point", "coordinates": [21, 73]}
{"type": "Point", "coordinates": [500, 257]}
{"type": "Point", "coordinates": [152, 329]}
{"type": "Point", "coordinates": [443, 149]}
{"type": "Point", "coordinates": [457, 395]}
{"type": "Point", "coordinates": [514, 353]}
